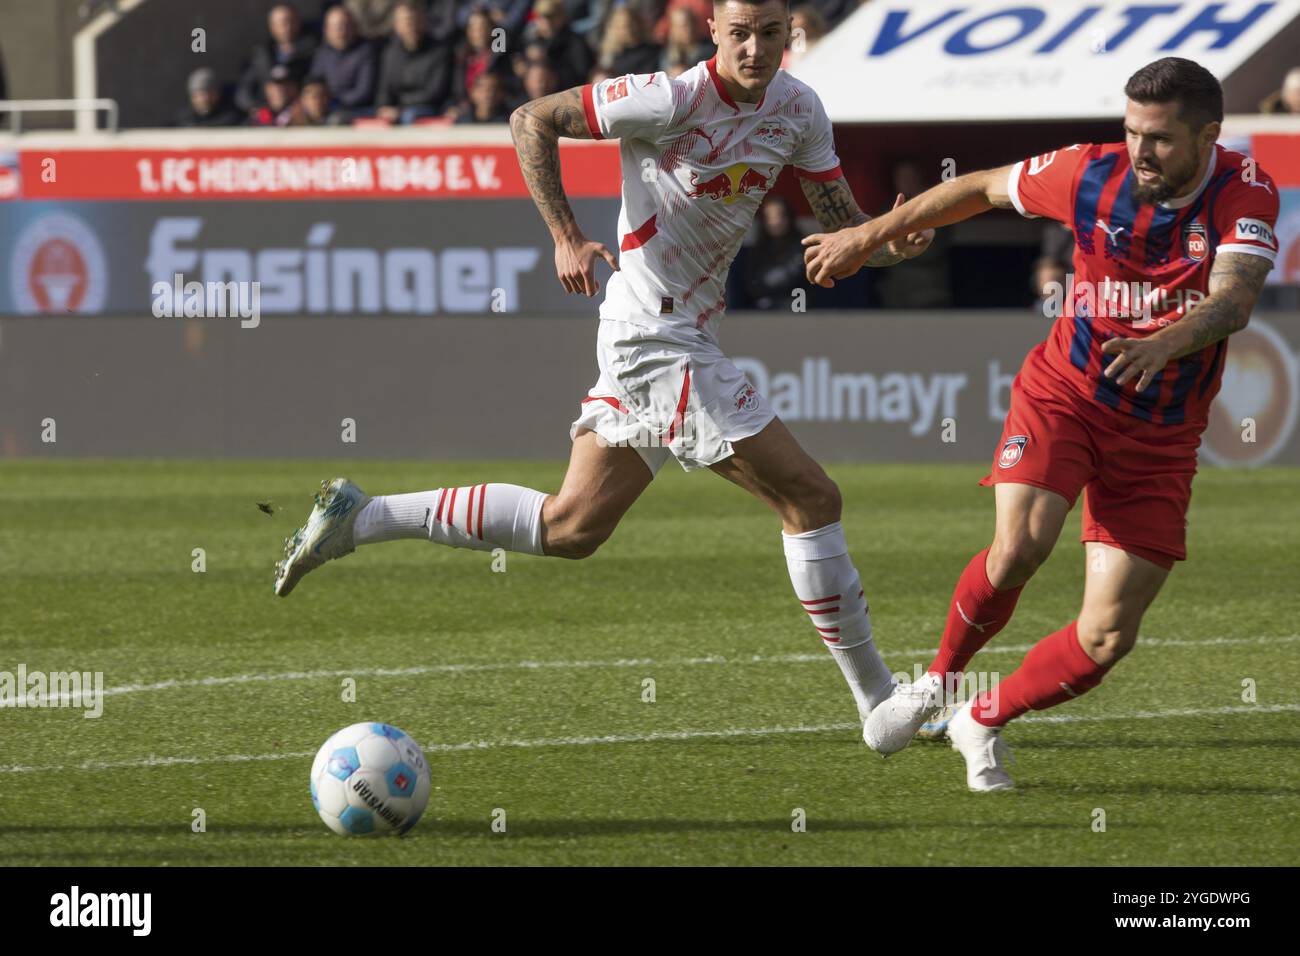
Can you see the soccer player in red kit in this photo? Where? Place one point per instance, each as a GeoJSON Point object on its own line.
{"type": "Point", "coordinates": [1173, 240]}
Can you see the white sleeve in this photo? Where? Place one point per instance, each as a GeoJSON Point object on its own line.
{"type": "Point", "coordinates": [815, 157]}
{"type": "Point", "coordinates": [635, 106]}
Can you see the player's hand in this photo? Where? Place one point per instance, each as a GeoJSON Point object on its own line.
{"type": "Point", "coordinates": [914, 244]}
{"type": "Point", "coordinates": [1142, 359]}
{"type": "Point", "coordinates": [828, 256]}
{"type": "Point", "coordinates": [575, 264]}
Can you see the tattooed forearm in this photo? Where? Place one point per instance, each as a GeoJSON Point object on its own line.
{"type": "Point", "coordinates": [1236, 280]}
{"type": "Point", "coordinates": [536, 128]}
{"type": "Point", "coordinates": [833, 203]}
{"type": "Point", "coordinates": [883, 257]}
{"type": "Point", "coordinates": [836, 209]}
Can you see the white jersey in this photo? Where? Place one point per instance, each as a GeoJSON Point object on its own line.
{"type": "Point", "coordinates": [696, 165]}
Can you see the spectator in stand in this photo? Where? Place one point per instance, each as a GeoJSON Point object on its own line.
{"type": "Point", "coordinates": [487, 100]}
{"type": "Point", "coordinates": [474, 57]}
{"type": "Point", "coordinates": [313, 106]}
{"type": "Point", "coordinates": [414, 71]}
{"type": "Point", "coordinates": [534, 51]}
{"type": "Point", "coordinates": [345, 62]}
{"type": "Point", "coordinates": [833, 11]}
{"type": "Point", "coordinates": [774, 263]}
{"type": "Point", "coordinates": [207, 105]}
{"type": "Point", "coordinates": [510, 15]}
{"type": "Point", "coordinates": [807, 27]}
{"type": "Point", "coordinates": [703, 10]}
{"type": "Point", "coordinates": [287, 46]}
{"type": "Point", "coordinates": [687, 42]}
{"type": "Point", "coordinates": [279, 94]}
{"type": "Point", "coordinates": [373, 18]}
{"type": "Point", "coordinates": [567, 51]}
{"type": "Point", "coordinates": [1058, 242]}
{"type": "Point", "coordinates": [539, 80]}
{"type": "Point", "coordinates": [1286, 99]}
{"type": "Point", "coordinates": [624, 48]}
{"type": "Point", "coordinates": [921, 285]}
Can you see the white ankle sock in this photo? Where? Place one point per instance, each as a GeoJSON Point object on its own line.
{"type": "Point", "coordinates": [393, 517]}
{"type": "Point", "coordinates": [830, 590]}
{"type": "Point", "coordinates": [481, 517]}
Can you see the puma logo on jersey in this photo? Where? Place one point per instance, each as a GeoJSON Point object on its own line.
{"type": "Point", "coordinates": [1113, 233]}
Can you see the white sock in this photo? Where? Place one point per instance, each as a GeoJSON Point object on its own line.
{"type": "Point", "coordinates": [830, 590]}
{"type": "Point", "coordinates": [481, 517]}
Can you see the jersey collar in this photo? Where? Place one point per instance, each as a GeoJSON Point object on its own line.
{"type": "Point", "coordinates": [1192, 196]}
{"type": "Point", "coordinates": [712, 64]}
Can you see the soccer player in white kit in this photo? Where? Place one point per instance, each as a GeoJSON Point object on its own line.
{"type": "Point", "coordinates": [698, 154]}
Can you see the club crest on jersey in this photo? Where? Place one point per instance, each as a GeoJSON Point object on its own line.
{"type": "Point", "coordinates": [746, 398]}
{"type": "Point", "coordinates": [734, 182]}
{"type": "Point", "coordinates": [1196, 245]}
{"type": "Point", "coordinates": [769, 134]}
{"type": "Point", "coordinates": [1012, 450]}
{"type": "Point", "coordinates": [616, 90]}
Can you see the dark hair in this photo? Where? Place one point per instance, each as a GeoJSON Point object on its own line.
{"type": "Point", "coordinates": [1173, 79]}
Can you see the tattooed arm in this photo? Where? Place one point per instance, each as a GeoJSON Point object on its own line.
{"type": "Point", "coordinates": [1236, 280]}
{"type": "Point", "coordinates": [536, 128]}
{"type": "Point", "coordinates": [838, 255]}
{"type": "Point", "coordinates": [833, 203]}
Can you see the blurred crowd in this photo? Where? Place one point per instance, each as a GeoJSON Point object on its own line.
{"type": "Point", "coordinates": [385, 62]}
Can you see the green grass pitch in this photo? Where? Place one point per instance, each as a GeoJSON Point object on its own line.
{"type": "Point", "coordinates": [510, 680]}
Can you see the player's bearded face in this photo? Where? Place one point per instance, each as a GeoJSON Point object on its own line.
{"type": "Point", "coordinates": [1164, 151]}
{"type": "Point", "coordinates": [751, 41]}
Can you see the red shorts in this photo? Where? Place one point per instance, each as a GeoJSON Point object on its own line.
{"type": "Point", "coordinates": [1136, 475]}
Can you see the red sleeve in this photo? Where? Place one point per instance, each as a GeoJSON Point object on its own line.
{"type": "Point", "coordinates": [1044, 185]}
{"type": "Point", "coordinates": [1245, 217]}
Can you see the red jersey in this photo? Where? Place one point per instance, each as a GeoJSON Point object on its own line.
{"type": "Point", "coordinates": [1138, 267]}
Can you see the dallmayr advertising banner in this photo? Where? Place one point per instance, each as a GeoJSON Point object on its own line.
{"type": "Point", "coordinates": [853, 387]}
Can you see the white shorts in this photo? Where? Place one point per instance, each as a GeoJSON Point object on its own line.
{"type": "Point", "coordinates": [669, 392]}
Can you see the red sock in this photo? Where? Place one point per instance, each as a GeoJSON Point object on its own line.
{"type": "Point", "coordinates": [974, 600]}
{"type": "Point", "coordinates": [1055, 670]}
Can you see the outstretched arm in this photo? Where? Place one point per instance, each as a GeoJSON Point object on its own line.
{"type": "Point", "coordinates": [840, 254]}
{"type": "Point", "coordinates": [833, 203]}
{"type": "Point", "coordinates": [536, 128]}
{"type": "Point", "coordinates": [1236, 280]}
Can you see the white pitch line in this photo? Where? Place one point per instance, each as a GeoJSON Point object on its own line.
{"type": "Point", "coordinates": [417, 671]}
{"type": "Point", "coordinates": [154, 761]}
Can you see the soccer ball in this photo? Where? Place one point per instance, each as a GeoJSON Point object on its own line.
{"type": "Point", "coordinates": [370, 779]}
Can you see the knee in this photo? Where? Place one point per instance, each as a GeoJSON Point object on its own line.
{"type": "Point", "coordinates": [572, 531]}
{"type": "Point", "coordinates": [1105, 641]}
{"type": "Point", "coordinates": [815, 503]}
{"type": "Point", "coordinates": [1013, 559]}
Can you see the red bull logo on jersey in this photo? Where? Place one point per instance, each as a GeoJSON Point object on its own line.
{"type": "Point", "coordinates": [1195, 244]}
{"type": "Point", "coordinates": [737, 180]}
{"type": "Point", "coordinates": [1012, 451]}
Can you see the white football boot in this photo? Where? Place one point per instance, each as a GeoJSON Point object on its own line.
{"type": "Point", "coordinates": [985, 751]}
{"type": "Point", "coordinates": [896, 719]}
{"type": "Point", "coordinates": [936, 728]}
{"type": "Point", "coordinates": [326, 535]}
